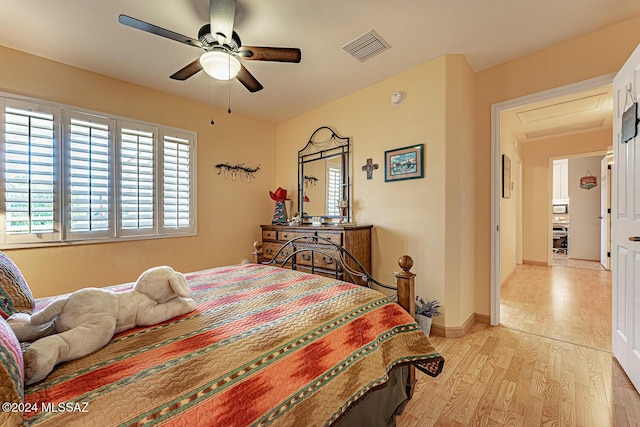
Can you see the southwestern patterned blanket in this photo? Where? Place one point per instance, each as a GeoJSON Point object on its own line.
{"type": "Point", "coordinates": [264, 346]}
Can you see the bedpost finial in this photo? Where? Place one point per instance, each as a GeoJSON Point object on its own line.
{"type": "Point", "coordinates": [257, 245]}
{"type": "Point", "coordinates": [405, 262]}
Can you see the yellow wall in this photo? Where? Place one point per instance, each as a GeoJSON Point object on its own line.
{"type": "Point", "coordinates": [459, 179]}
{"type": "Point", "coordinates": [536, 199]}
{"type": "Point", "coordinates": [228, 212]}
{"type": "Point", "coordinates": [593, 55]}
{"type": "Point", "coordinates": [508, 207]}
{"type": "Point", "coordinates": [420, 217]}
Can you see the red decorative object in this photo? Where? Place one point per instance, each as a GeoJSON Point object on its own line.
{"type": "Point", "coordinates": [279, 196]}
{"type": "Point", "coordinates": [588, 182]}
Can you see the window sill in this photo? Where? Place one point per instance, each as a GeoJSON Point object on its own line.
{"type": "Point", "coordinates": [8, 246]}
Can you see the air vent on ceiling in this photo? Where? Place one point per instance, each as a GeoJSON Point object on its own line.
{"type": "Point", "coordinates": [366, 46]}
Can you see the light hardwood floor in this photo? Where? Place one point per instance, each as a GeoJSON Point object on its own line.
{"type": "Point", "coordinates": [508, 376]}
{"type": "Point", "coordinates": [569, 304]}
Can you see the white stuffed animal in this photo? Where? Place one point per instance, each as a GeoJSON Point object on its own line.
{"type": "Point", "coordinates": [86, 320]}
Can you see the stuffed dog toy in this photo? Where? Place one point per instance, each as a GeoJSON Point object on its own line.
{"type": "Point", "coordinates": [85, 321]}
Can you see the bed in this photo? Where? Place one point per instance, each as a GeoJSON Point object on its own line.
{"type": "Point", "coordinates": [265, 346]}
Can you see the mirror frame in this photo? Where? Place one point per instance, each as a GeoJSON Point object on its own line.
{"type": "Point", "coordinates": [321, 149]}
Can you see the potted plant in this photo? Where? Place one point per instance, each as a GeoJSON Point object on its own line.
{"type": "Point", "coordinates": [425, 311]}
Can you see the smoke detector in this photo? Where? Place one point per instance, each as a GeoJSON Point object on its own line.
{"type": "Point", "coordinates": [397, 98]}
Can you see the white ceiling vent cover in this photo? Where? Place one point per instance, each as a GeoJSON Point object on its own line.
{"type": "Point", "coordinates": [366, 46]}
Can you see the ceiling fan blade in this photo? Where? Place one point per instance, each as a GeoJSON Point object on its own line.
{"type": "Point", "coordinates": [247, 79]}
{"type": "Point", "coordinates": [222, 14]}
{"type": "Point", "coordinates": [187, 71]}
{"type": "Point", "coordinates": [280, 54]}
{"type": "Point", "coordinates": [154, 29]}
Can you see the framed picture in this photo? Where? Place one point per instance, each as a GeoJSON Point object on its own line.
{"type": "Point", "coordinates": [506, 177]}
{"type": "Point", "coordinates": [404, 163]}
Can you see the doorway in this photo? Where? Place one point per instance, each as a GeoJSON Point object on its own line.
{"type": "Point", "coordinates": [577, 211]}
{"type": "Point", "coordinates": [497, 149]}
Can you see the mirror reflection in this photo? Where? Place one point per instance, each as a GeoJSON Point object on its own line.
{"type": "Point", "coordinates": [323, 177]}
{"type": "Point", "coordinates": [322, 187]}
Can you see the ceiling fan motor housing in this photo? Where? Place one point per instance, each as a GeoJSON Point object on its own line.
{"type": "Point", "coordinates": [218, 46]}
{"type": "Point", "coordinates": [209, 41]}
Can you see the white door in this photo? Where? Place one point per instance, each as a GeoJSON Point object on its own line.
{"type": "Point", "coordinates": [625, 225]}
{"type": "Point", "coordinates": [605, 205]}
{"type": "Point", "coordinates": [584, 210]}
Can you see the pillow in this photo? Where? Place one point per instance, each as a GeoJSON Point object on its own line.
{"type": "Point", "coordinates": [15, 295]}
{"type": "Point", "coordinates": [11, 374]}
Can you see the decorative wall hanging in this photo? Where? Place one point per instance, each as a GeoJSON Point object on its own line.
{"type": "Point", "coordinates": [310, 180]}
{"type": "Point", "coordinates": [369, 168]}
{"type": "Point", "coordinates": [629, 123]}
{"type": "Point", "coordinates": [404, 163]}
{"type": "Point", "coordinates": [629, 117]}
{"type": "Point", "coordinates": [588, 181]}
{"type": "Point", "coordinates": [506, 177]}
{"type": "Point", "coordinates": [237, 170]}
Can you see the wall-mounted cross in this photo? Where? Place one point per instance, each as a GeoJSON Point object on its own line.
{"type": "Point", "coordinates": [370, 167]}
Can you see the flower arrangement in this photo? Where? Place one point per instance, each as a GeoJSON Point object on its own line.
{"type": "Point", "coordinates": [428, 308]}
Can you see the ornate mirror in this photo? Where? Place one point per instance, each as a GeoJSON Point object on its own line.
{"type": "Point", "coordinates": [323, 177]}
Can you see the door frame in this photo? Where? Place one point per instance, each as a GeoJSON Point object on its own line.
{"type": "Point", "coordinates": [550, 196]}
{"type": "Point", "coordinates": [605, 209]}
{"type": "Point", "coordinates": [496, 109]}
{"type": "Point", "coordinates": [518, 185]}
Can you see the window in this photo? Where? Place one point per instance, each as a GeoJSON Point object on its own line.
{"type": "Point", "coordinates": [176, 182]}
{"type": "Point", "coordinates": [333, 188]}
{"type": "Point", "coordinates": [137, 180]}
{"type": "Point", "coordinates": [29, 148]}
{"type": "Point", "coordinates": [69, 175]}
{"type": "Point", "coordinates": [89, 169]}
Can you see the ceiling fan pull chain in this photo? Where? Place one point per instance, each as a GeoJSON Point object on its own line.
{"type": "Point", "coordinates": [229, 89]}
{"type": "Point", "coordinates": [212, 122]}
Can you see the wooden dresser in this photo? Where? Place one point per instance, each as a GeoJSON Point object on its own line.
{"type": "Point", "coordinates": [354, 238]}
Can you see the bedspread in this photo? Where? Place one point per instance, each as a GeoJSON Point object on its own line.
{"type": "Point", "coordinates": [264, 346]}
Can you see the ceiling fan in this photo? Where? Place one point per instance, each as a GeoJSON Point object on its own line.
{"type": "Point", "coordinates": [222, 47]}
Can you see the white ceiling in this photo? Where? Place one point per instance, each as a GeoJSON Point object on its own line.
{"type": "Point", "coordinates": [86, 34]}
{"type": "Point", "coordinates": [588, 111]}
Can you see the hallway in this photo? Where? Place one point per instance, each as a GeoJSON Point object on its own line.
{"type": "Point", "coordinates": [514, 375]}
{"type": "Point", "coordinates": [571, 304]}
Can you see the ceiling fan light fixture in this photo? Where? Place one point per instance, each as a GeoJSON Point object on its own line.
{"type": "Point", "coordinates": [220, 65]}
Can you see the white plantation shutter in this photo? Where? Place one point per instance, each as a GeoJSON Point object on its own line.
{"type": "Point", "coordinates": [333, 188]}
{"type": "Point", "coordinates": [137, 175]}
{"type": "Point", "coordinates": [70, 175]}
{"type": "Point", "coordinates": [176, 181]}
{"type": "Point", "coordinates": [29, 151]}
{"type": "Point", "coordinates": [89, 176]}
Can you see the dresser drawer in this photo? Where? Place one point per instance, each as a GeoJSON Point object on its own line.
{"type": "Point", "coordinates": [335, 237]}
{"type": "Point", "coordinates": [320, 260]}
{"type": "Point", "coordinates": [324, 260]}
{"type": "Point", "coordinates": [270, 249]}
{"type": "Point", "coordinates": [269, 235]}
{"type": "Point", "coordinates": [288, 235]}
{"type": "Point", "coordinates": [355, 239]}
